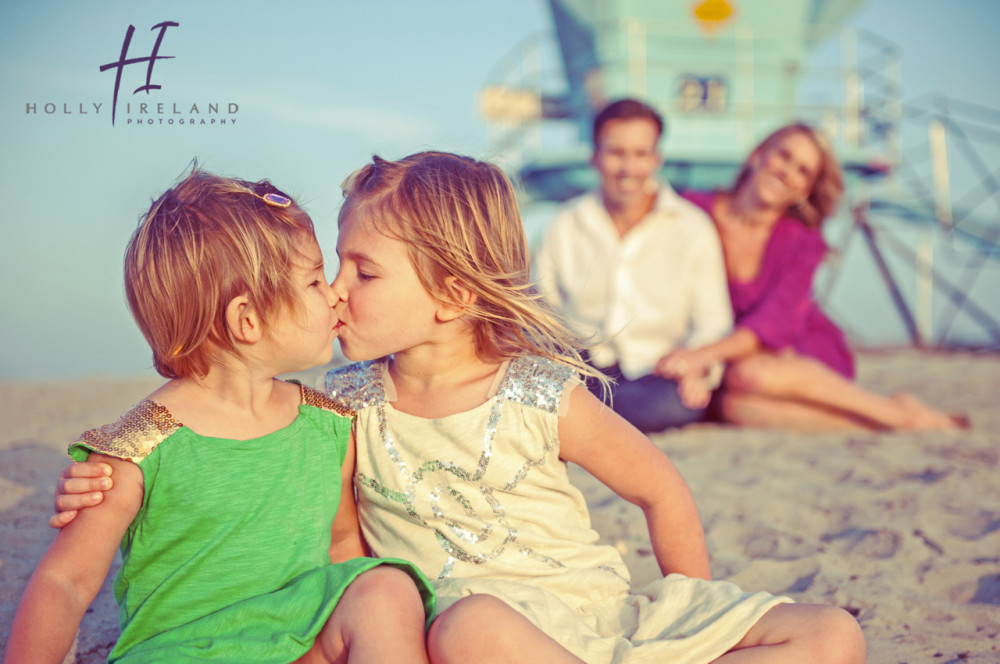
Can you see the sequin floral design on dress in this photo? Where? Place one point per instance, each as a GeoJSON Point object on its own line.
{"type": "Point", "coordinates": [461, 501]}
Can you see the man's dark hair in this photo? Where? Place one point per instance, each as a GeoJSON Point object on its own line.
{"type": "Point", "coordinates": [626, 109]}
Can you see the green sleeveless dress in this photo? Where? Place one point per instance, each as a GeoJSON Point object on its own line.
{"type": "Point", "coordinates": [228, 557]}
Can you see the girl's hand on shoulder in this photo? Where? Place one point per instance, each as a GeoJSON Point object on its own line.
{"type": "Point", "coordinates": [81, 485]}
{"type": "Point", "coordinates": [82, 553]}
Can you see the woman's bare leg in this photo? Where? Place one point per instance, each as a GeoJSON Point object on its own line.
{"type": "Point", "coordinates": [482, 628]}
{"type": "Point", "coordinates": [808, 382]}
{"type": "Point", "coordinates": [801, 634]}
{"type": "Point", "coordinates": [757, 410]}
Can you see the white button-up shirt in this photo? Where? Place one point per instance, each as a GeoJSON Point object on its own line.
{"type": "Point", "coordinates": [660, 287]}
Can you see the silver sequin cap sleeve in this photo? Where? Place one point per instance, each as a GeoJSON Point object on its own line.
{"type": "Point", "coordinates": [356, 386]}
{"type": "Point", "coordinates": [536, 382]}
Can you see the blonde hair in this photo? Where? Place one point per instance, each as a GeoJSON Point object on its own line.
{"type": "Point", "coordinates": [828, 186]}
{"type": "Point", "coordinates": [459, 218]}
{"type": "Point", "coordinates": [202, 243]}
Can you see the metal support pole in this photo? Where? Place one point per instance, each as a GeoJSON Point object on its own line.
{"type": "Point", "coordinates": [860, 218]}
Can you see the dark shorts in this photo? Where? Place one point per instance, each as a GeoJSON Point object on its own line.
{"type": "Point", "coordinates": [649, 403]}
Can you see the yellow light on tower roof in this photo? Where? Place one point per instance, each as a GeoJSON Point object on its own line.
{"type": "Point", "coordinates": [713, 14]}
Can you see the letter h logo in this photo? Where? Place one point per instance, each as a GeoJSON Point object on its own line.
{"type": "Point", "coordinates": [125, 60]}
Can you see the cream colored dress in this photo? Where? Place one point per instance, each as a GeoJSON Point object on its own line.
{"type": "Point", "coordinates": [481, 503]}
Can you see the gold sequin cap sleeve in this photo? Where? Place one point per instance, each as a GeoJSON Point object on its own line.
{"type": "Point", "coordinates": [317, 399]}
{"type": "Point", "coordinates": [356, 386]}
{"type": "Point", "coordinates": [133, 436]}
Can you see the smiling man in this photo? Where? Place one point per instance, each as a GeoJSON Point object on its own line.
{"type": "Point", "coordinates": [639, 272]}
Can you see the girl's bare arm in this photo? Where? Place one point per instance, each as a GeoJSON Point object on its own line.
{"type": "Point", "coordinates": [71, 572]}
{"type": "Point", "coordinates": [596, 438]}
{"type": "Point", "coordinates": [347, 540]}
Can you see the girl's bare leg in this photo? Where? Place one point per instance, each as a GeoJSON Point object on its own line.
{"type": "Point", "coordinates": [482, 628]}
{"type": "Point", "coordinates": [808, 382]}
{"type": "Point", "coordinates": [801, 634]}
{"type": "Point", "coordinates": [380, 618]}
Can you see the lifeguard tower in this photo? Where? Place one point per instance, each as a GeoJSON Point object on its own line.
{"type": "Point", "coordinates": [727, 72]}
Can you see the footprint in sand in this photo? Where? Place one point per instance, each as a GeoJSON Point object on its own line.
{"type": "Point", "coordinates": [866, 542]}
{"type": "Point", "coordinates": [777, 545]}
{"type": "Point", "coordinates": [987, 590]}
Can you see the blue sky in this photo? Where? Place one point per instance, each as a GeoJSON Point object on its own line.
{"type": "Point", "coordinates": [320, 86]}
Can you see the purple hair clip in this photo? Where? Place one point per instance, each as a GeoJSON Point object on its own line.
{"type": "Point", "coordinates": [277, 200]}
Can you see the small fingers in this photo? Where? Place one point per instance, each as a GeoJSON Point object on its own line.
{"type": "Point", "coordinates": [84, 485]}
{"type": "Point", "coordinates": [60, 519]}
{"type": "Point", "coordinates": [86, 469]}
{"type": "Point", "coordinates": [72, 502]}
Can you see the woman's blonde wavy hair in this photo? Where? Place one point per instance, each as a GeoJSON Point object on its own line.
{"type": "Point", "coordinates": [459, 218]}
{"type": "Point", "coordinates": [205, 241]}
{"type": "Point", "coordinates": [828, 187]}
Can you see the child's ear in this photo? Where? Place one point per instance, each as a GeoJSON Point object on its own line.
{"type": "Point", "coordinates": [242, 320]}
{"type": "Point", "coordinates": [458, 298]}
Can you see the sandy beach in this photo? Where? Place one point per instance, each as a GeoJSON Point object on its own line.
{"type": "Point", "coordinates": [902, 529]}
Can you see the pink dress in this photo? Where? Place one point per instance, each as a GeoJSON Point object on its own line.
{"type": "Point", "coordinates": [778, 304]}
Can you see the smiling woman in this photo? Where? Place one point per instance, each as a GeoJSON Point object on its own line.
{"type": "Point", "coordinates": [788, 364]}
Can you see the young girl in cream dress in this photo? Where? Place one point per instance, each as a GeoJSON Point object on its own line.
{"type": "Point", "coordinates": [469, 404]}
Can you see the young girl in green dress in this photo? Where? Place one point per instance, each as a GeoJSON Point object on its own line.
{"type": "Point", "coordinates": [225, 280]}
